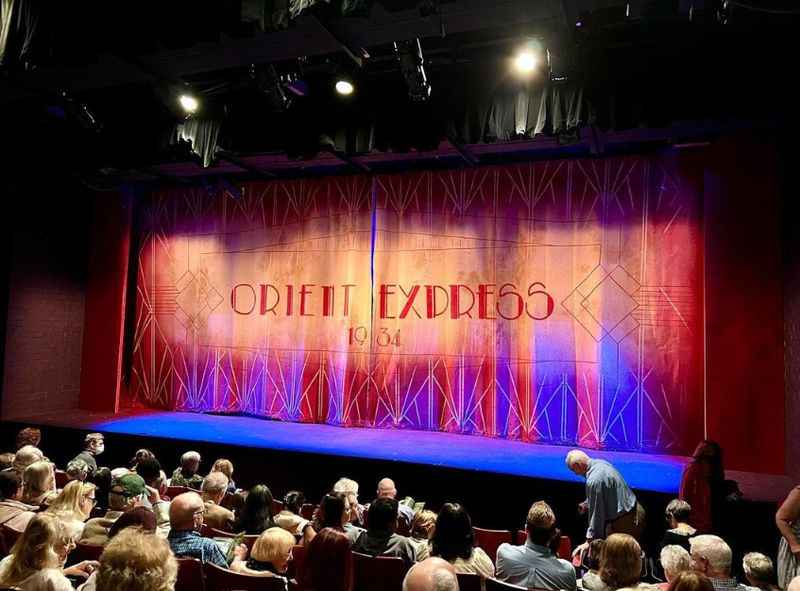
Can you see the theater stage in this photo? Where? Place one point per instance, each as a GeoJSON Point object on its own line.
{"type": "Point", "coordinates": [650, 472]}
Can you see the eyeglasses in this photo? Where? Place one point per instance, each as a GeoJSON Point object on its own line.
{"type": "Point", "coordinates": [200, 511]}
{"type": "Point", "coordinates": [92, 499]}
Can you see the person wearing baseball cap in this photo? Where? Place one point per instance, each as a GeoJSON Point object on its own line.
{"type": "Point", "coordinates": [126, 492]}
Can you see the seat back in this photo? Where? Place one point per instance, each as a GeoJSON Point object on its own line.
{"type": "Point", "coordinates": [296, 565]}
{"type": "Point", "coordinates": [222, 579]}
{"type": "Point", "coordinates": [564, 548]}
{"type": "Point", "coordinates": [83, 552]}
{"type": "Point", "coordinates": [495, 585]}
{"type": "Point", "coordinates": [210, 532]}
{"type": "Point", "coordinates": [10, 536]}
{"type": "Point", "coordinates": [307, 511]}
{"type": "Point", "coordinates": [190, 575]}
{"type": "Point", "coordinates": [277, 506]}
{"type": "Point", "coordinates": [378, 573]}
{"type": "Point", "coordinates": [61, 479]}
{"type": "Point", "coordinates": [469, 582]}
{"type": "Point", "coordinates": [490, 540]}
{"type": "Point", "coordinates": [174, 491]}
{"type": "Point", "coordinates": [522, 537]}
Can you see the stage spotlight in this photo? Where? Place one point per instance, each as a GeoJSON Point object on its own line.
{"type": "Point", "coordinates": [344, 87]}
{"type": "Point", "coordinates": [528, 58]}
{"type": "Point", "coordinates": [409, 54]}
{"type": "Point", "coordinates": [189, 103]}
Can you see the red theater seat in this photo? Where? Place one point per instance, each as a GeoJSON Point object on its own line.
{"type": "Point", "coordinates": [277, 506]}
{"type": "Point", "coordinates": [490, 540]}
{"type": "Point", "coordinates": [307, 511]}
{"type": "Point", "coordinates": [174, 491]}
{"type": "Point", "coordinates": [10, 536]}
{"type": "Point", "coordinates": [495, 585]}
{"type": "Point", "coordinates": [210, 532]}
{"type": "Point", "coordinates": [468, 582]}
{"type": "Point", "coordinates": [61, 479]}
{"type": "Point", "coordinates": [296, 565]}
{"type": "Point", "coordinates": [83, 552]}
{"type": "Point", "coordinates": [190, 575]}
{"type": "Point", "coordinates": [378, 573]}
{"type": "Point", "coordinates": [222, 579]}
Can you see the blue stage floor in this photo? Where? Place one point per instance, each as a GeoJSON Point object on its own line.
{"type": "Point", "coordinates": [660, 473]}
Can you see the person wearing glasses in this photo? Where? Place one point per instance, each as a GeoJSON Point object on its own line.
{"type": "Point", "coordinates": [186, 512]}
{"type": "Point", "coordinates": [73, 505]}
{"type": "Point", "coordinates": [125, 493]}
{"type": "Point", "coordinates": [712, 557]}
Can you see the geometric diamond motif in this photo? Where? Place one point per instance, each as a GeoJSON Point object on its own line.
{"type": "Point", "coordinates": [196, 300]}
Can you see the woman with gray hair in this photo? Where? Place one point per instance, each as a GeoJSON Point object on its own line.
{"type": "Point", "coordinates": [679, 532]}
{"type": "Point", "coordinates": [759, 571]}
{"type": "Point", "coordinates": [674, 560]}
{"type": "Point", "coordinates": [186, 474]}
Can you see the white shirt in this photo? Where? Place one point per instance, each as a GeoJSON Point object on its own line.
{"type": "Point", "coordinates": [47, 579]}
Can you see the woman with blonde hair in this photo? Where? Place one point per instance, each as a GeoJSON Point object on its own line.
{"type": "Point", "coordinates": [271, 553]}
{"type": "Point", "coordinates": [621, 562]}
{"type": "Point", "coordinates": [74, 504]}
{"type": "Point", "coordinates": [38, 484]}
{"type": "Point", "coordinates": [36, 562]}
{"type": "Point", "coordinates": [422, 527]}
{"type": "Point", "coordinates": [226, 467]}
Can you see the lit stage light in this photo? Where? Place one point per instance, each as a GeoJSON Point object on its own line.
{"type": "Point", "coordinates": [526, 62]}
{"type": "Point", "coordinates": [189, 103]}
{"type": "Point", "coordinates": [344, 87]}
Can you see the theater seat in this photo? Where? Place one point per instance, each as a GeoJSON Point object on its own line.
{"type": "Point", "coordinates": [296, 565]}
{"type": "Point", "coordinates": [190, 575]}
{"type": "Point", "coordinates": [495, 585]}
{"type": "Point", "coordinates": [490, 540]}
{"type": "Point", "coordinates": [174, 491]}
{"type": "Point", "coordinates": [222, 579]}
{"type": "Point", "coordinates": [307, 511]}
{"type": "Point", "coordinates": [10, 537]}
{"type": "Point", "coordinates": [210, 532]}
{"type": "Point", "coordinates": [61, 479]}
{"type": "Point", "coordinates": [378, 573]}
{"type": "Point", "coordinates": [277, 506]}
{"type": "Point", "coordinates": [469, 582]}
{"type": "Point", "coordinates": [83, 552]}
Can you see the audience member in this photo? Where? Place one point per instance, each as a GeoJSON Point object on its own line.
{"type": "Point", "coordinates": [214, 487]}
{"type": "Point", "coordinates": [136, 561]}
{"type": "Point", "coordinates": [387, 490]}
{"type": "Point", "coordinates": [36, 562]}
{"type": "Point", "coordinates": [289, 518]}
{"type": "Point", "coordinates": [674, 560]}
{"type": "Point", "coordinates": [73, 505]}
{"type": "Point", "coordinates": [102, 480]}
{"type": "Point", "coordinates": [759, 571]}
{"type": "Point", "coordinates": [13, 513]}
{"type": "Point", "coordinates": [186, 519]}
{"type": "Point", "coordinates": [454, 540]}
{"type": "Point", "coordinates": [692, 581]}
{"type": "Point", "coordinates": [271, 552]}
{"type": "Point", "coordinates": [380, 538]}
{"type": "Point", "coordinates": [334, 511]}
{"type": "Point", "coordinates": [621, 562]}
{"type": "Point", "coordinates": [422, 527]}
{"type": "Point", "coordinates": [256, 515]}
{"type": "Point", "coordinates": [139, 456]}
{"type": "Point", "coordinates": [186, 474]}
{"type": "Point", "coordinates": [156, 488]}
{"type": "Point", "coordinates": [533, 564]}
{"type": "Point", "coordinates": [679, 532]}
{"type": "Point", "coordinates": [29, 436]}
{"type": "Point", "coordinates": [6, 461]}
{"type": "Point", "coordinates": [703, 485]}
{"type": "Point", "coordinates": [591, 580]}
{"type": "Point", "coordinates": [788, 521]}
{"type": "Point", "coordinates": [140, 518]}
{"type": "Point", "coordinates": [226, 467]}
{"type": "Point", "coordinates": [610, 503]}
{"type": "Point", "coordinates": [712, 557]}
{"type": "Point", "coordinates": [38, 484]}
{"type": "Point", "coordinates": [125, 494]}
{"type": "Point", "coordinates": [328, 564]}
{"type": "Point", "coordinates": [77, 470]}
{"type": "Point", "coordinates": [432, 574]}
{"type": "Point", "coordinates": [26, 456]}
{"type": "Point", "coordinates": [93, 446]}
{"type": "Point", "coordinates": [350, 488]}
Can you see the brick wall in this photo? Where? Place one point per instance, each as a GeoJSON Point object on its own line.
{"type": "Point", "coordinates": [46, 287]}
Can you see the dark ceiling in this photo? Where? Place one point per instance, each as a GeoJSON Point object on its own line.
{"type": "Point", "coordinates": [95, 92]}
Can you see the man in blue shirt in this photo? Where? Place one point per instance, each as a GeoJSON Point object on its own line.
{"type": "Point", "coordinates": [610, 503]}
{"type": "Point", "coordinates": [186, 518]}
{"type": "Point", "coordinates": [533, 565]}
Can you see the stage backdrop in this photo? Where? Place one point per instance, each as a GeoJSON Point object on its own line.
{"type": "Point", "coordinates": [555, 301]}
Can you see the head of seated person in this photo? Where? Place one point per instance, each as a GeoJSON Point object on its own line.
{"type": "Point", "coordinates": [38, 483]}
{"type": "Point", "coordinates": [26, 456]}
{"type": "Point", "coordinates": [137, 561]}
{"type": "Point", "coordinates": [190, 463]}
{"type": "Point", "coordinates": [711, 556]}
{"type": "Point", "coordinates": [333, 512]}
{"type": "Point", "coordinates": [328, 564]}
{"type": "Point", "coordinates": [675, 560]}
{"type": "Point", "coordinates": [224, 466]}
{"type": "Point", "coordinates": [592, 558]}
{"type": "Point", "coordinates": [759, 570]}
{"type": "Point", "coordinates": [692, 581]}
{"type": "Point", "coordinates": [453, 536]}
{"type": "Point", "coordinates": [125, 492]}
{"type": "Point", "coordinates": [186, 512]}
{"type": "Point", "coordinates": [677, 513]}
{"type": "Point", "coordinates": [272, 551]}
{"type": "Point", "coordinates": [141, 454]}
{"type": "Point", "coordinates": [214, 487]}
{"type": "Point", "coordinates": [293, 502]}
{"type": "Point", "coordinates": [140, 518]}
{"type": "Point", "coordinates": [29, 436]}
{"type": "Point", "coordinates": [621, 562]}
{"type": "Point", "coordinates": [150, 471]}
{"type": "Point", "coordinates": [541, 524]}
{"type": "Point", "coordinates": [75, 501]}
{"type": "Point", "coordinates": [382, 518]}
{"type": "Point", "coordinates": [77, 470]}
{"type": "Point", "coordinates": [256, 515]}
{"type": "Point", "coordinates": [349, 488]}
{"type": "Point", "coordinates": [423, 525]}
{"type": "Point", "coordinates": [10, 486]}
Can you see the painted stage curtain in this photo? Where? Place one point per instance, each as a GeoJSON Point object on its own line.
{"type": "Point", "coordinates": [552, 301]}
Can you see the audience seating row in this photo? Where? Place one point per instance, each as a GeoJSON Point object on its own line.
{"type": "Point", "coordinates": [490, 540]}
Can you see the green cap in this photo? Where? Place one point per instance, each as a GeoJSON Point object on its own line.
{"type": "Point", "coordinates": [129, 485]}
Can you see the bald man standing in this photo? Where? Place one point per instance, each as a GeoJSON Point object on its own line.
{"type": "Point", "coordinates": [610, 503]}
{"type": "Point", "coordinates": [432, 574]}
{"type": "Point", "coordinates": [387, 490]}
